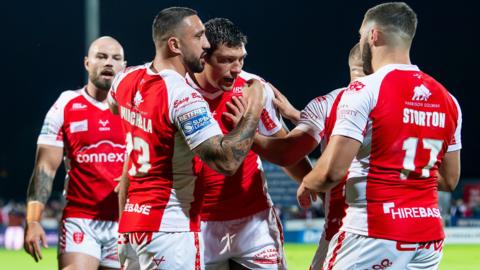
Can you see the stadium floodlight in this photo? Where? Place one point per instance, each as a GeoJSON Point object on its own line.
{"type": "Point", "coordinates": [92, 23]}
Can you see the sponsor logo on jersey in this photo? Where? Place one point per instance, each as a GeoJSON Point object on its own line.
{"type": "Point", "coordinates": [344, 111]}
{"type": "Point", "coordinates": [78, 106]}
{"type": "Point", "coordinates": [410, 212]}
{"type": "Point", "coordinates": [356, 86]}
{"type": "Point", "coordinates": [138, 99]}
{"type": "Point", "coordinates": [424, 119]}
{"type": "Point", "coordinates": [194, 120]}
{"type": "Point", "coordinates": [78, 237]}
{"type": "Point", "coordinates": [136, 119]}
{"type": "Point", "coordinates": [79, 126]}
{"type": "Point", "coordinates": [143, 209]}
{"type": "Point", "coordinates": [196, 95]}
{"type": "Point", "coordinates": [421, 93]}
{"type": "Point", "coordinates": [104, 124]}
{"type": "Point", "coordinates": [237, 89]}
{"type": "Point", "coordinates": [179, 102]}
{"type": "Point", "coordinates": [103, 151]}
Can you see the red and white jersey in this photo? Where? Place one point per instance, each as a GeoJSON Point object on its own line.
{"type": "Point", "coordinates": [406, 121]}
{"type": "Point", "coordinates": [164, 119]}
{"type": "Point", "coordinates": [94, 147]}
{"type": "Point", "coordinates": [247, 187]}
{"type": "Point", "coordinates": [317, 120]}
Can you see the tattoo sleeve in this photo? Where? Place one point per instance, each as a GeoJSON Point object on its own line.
{"type": "Point", "coordinates": [40, 186]}
{"type": "Point", "coordinates": [225, 154]}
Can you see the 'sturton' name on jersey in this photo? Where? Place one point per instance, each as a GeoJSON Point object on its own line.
{"type": "Point", "coordinates": [424, 119]}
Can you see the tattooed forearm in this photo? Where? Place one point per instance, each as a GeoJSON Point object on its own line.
{"type": "Point", "coordinates": [225, 154]}
{"type": "Point", "coordinates": [40, 186]}
{"type": "Point", "coordinates": [239, 141]}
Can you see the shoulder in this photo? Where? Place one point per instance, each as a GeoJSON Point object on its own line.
{"type": "Point", "coordinates": [65, 98]}
{"type": "Point", "coordinates": [176, 84]}
{"type": "Point", "coordinates": [248, 76]}
{"type": "Point", "coordinates": [180, 93]}
{"type": "Point", "coordinates": [333, 95]}
{"type": "Point", "coordinates": [128, 72]}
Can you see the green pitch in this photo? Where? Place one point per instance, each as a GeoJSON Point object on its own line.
{"type": "Point", "coordinates": [455, 257]}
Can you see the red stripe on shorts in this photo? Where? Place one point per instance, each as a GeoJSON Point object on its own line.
{"type": "Point", "coordinates": [197, 255]}
{"type": "Point", "coordinates": [341, 237]}
{"type": "Point", "coordinates": [279, 225]}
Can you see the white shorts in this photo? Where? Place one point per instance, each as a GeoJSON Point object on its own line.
{"type": "Point", "coordinates": [255, 242]}
{"type": "Point", "coordinates": [349, 251]}
{"type": "Point", "coordinates": [320, 254]}
{"type": "Point", "coordinates": [14, 237]}
{"type": "Point", "coordinates": [96, 238]}
{"type": "Point", "coordinates": [161, 251]}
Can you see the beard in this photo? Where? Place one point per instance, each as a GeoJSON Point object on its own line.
{"type": "Point", "coordinates": [194, 64]}
{"type": "Point", "coordinates": [367, 58]}
{"type": "Point", "coordinates": [100, 83]}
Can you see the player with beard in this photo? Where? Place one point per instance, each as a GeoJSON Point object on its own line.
{"type": "Point", "coordinates": [166, 123]}
{"type": "Point", "coordinates": [80, 128]}
{"type": "Point", "coordinates": [398, 135]}
{"type": "Point", "coordinates": [313, 128]}
{"type": "Point", "coordinates": [229, 229]}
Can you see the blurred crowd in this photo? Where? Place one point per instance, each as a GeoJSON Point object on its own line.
{"type": "Point", "coordinates": [456, 212]}
{"type": "Point", "coordinates": [12, 213]}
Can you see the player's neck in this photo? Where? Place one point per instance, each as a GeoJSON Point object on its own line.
{"type": "Point", "coordinates": [203, 83]}
{"type": "Point", "coordinates": [161, 62]}
{"type": "Point", "coordinates": [94, 92]}
{"type": "Point", "coordinates": [390, 56]}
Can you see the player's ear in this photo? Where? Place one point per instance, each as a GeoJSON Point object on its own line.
{"type": "Point", "coordinates": [85, 62]}
{"type": "Point", "coordinates": [173, 44]}
{"type": "Point", "coordinates": [375, 36]}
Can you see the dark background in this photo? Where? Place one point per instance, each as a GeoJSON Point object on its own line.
{"type": "Point", "coordinates": [300, 46]}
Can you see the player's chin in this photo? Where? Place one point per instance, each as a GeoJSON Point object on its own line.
{"type": "Point", "coordinates": [226, 88]}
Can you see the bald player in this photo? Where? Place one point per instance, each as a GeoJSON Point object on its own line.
{"type": "Point", "coordinates": [80, 129]}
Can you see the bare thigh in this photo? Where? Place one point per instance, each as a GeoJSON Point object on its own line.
{"type": "Point", "coordinates": [77, 261]}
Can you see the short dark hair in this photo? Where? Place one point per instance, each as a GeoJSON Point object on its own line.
{"type": "Point", "coordinates": [223, 31]}
{"type": "Point", "coordinates": [167, 20]}
{"type": "Point", "coordinates": [394, 16]}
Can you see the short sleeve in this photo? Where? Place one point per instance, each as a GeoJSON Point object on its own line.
{"type": "Point", "coordinates": [270, 121]}
{"type": "Point", "coordinates": [353, 111]}
{"type": "Point", "coordinates": [313, 117]}
{"type": "Point", "coordinates": [52, 129]}
{"type": "Point", "coordinates": [191, 115]}
{"type": "Point", "coordinates": [456, 142]}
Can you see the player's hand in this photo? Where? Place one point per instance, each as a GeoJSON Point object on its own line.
{"type": "Point", "coordinates": [305, 197]}
{"type": "Point", "coordinates": [34, 235]}
{"type": "Point", "coordinates": [284, 106]}
{"type": "Point", "coordinates": [254, 95]}
{"type": "Point", "coordinates": [236, 110]}
{"type": "Point", "coordinates": [117, 187]}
